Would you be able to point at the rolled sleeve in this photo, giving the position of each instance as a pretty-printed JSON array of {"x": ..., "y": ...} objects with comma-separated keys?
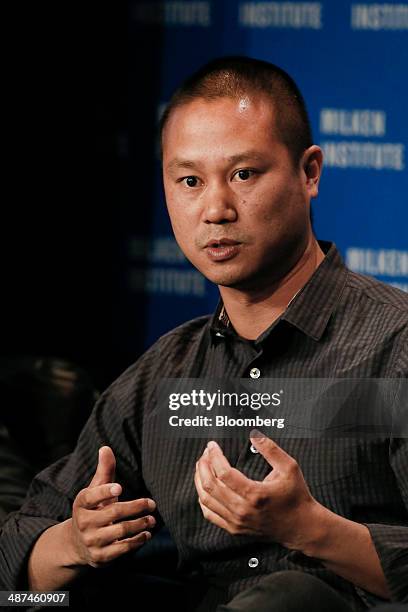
[
  {"x": 52, "y": 492},
  {"x": 45, "y": 505},
  {"x": 391, "y": 541},
  {"x": 18, "y": 537}
]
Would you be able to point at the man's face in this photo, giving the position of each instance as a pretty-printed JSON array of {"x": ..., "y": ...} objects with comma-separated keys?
[{"x": 238, "y": 207}]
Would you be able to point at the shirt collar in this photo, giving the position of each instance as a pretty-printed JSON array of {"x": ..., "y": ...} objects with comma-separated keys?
[{"x": 312, "y": 306}]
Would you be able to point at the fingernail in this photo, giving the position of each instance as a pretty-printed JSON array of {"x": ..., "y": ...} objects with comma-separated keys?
[
  {"x": 211, "y": 445},
  {"x": 147, "y": 535},
  {"x": 151, "y": 504},
  {"x": 255, "y": 433},
  {"x": 115, "y": 489}
]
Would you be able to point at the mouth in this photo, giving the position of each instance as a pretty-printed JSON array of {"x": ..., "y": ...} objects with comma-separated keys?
[
  {"x": 222, "y": 249},
  {"x": 221, "y": 242}
]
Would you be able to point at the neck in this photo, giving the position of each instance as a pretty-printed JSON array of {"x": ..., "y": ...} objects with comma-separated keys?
[{"x": 251, "y": 313}]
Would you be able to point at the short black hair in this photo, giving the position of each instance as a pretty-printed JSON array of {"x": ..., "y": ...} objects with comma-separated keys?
[{"x": 236, "y": 76}]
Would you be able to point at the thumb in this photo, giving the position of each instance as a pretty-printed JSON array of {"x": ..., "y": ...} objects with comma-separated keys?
[
  {"x": 105, "y": 471},
  {"x": 272, "y": 452}
]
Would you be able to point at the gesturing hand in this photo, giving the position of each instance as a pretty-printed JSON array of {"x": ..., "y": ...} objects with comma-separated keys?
[
  {"x": 99, "y": 532},
  {"x": 278, "y": 507}
]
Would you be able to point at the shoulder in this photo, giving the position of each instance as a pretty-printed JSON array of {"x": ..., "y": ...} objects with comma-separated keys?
[
  {"x": 377, "y": 316},
  {"x": 383, "y": 308},
  {"x": 377, "y": 293},
  {"x": 188, "y": 331}
]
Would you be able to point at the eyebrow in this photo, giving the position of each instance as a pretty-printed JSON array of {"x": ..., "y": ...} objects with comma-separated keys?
[{"x": 176, "y": 163}]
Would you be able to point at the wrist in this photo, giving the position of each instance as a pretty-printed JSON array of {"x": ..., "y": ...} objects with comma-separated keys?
[
  {"x": 320, "y": 532},
  {"x": 71, "y": 556},
  {"x": 311, "y": 529}
]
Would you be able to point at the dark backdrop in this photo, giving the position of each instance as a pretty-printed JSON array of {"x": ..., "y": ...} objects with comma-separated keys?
[{"x": 64, "y": 188}]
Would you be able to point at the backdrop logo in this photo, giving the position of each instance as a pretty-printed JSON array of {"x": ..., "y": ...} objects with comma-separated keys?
[
  {"x": 153, "y": 269},
  {"x": 380, "y": 262},
  {"x": 294, "y": 15},
  {"x": 359, "y": 154},
  {"x": 379, "y": 16},
  {"x": 370, "y": 155},
  {"x": 352, "y": 123},
  {"x": 173, "y": 13}
]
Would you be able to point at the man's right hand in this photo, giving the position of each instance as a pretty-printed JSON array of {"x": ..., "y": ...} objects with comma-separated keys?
[{"x": 101, "y": 526}]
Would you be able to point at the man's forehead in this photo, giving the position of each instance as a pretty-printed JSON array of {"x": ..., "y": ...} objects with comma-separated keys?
[
  {"x": 243, "y": 156},
  {"x": 241, "y": 127},
  {"x": 240, "y": 106}
]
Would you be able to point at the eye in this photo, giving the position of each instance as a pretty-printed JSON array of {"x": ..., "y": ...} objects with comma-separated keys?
[
  {"x": 190, "y": 181},
  {"x": 243, "y": 175}
]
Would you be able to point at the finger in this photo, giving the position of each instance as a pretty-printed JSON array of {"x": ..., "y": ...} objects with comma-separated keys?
[
  {"x": 232, "y": 528},
  {"x": 92, "y": 496},
  {"x": 274, "y": 454},
  {"x": 209, "y": 501},
  {"x": 118, "y": 531},
  {"x": 121, "y": 547},
  {"x": 231, "y": 477},
  {"x": 205, "y": 454},
  {"x": 219, "y": 462},
  {"x": 213, "y": 489},
  {"x": 105, "y": 470},
  {"x": 213, "y": 517},
  {"x": 121, "y": 510}
]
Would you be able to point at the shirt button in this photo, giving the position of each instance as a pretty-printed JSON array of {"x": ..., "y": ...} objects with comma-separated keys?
[
  {"x": 255, "y": 373},
  {"x": 253, "y": 449},
  {"x": 253, "y": 562}
]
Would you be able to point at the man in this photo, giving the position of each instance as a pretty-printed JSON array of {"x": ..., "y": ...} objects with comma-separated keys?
[{"x": 266, "y": 525}]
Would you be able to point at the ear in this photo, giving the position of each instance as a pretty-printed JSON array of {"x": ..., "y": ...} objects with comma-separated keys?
[{"x": 312, "y": 164}]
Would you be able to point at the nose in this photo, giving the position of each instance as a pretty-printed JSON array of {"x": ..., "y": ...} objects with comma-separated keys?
[{"x": 219, "y": 205}]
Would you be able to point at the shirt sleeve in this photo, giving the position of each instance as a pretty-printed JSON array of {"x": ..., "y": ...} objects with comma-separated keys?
[
  {"x": 52, "y": 492},
  {"x": 15, "y": 475},
  {"x": 391, "y": 541}
]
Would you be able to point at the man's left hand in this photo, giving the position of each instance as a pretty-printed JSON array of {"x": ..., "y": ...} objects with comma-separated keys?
[{"x": 280, "y": 507}]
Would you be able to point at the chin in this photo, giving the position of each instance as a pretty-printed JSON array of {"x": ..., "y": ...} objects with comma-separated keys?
[
  {"x": 226, "y": 280},
  {"x": 227, "y": 274}
]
